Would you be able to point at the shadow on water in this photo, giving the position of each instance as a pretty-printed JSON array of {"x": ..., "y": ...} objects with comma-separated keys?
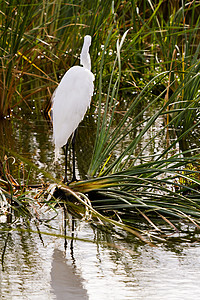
[{"x": 66, "y": 284}]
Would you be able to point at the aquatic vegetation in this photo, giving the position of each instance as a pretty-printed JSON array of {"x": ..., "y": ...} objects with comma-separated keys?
[{"x": 146, "y": 66}]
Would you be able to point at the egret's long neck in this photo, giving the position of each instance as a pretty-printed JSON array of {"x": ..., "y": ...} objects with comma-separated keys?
[{"x": 85, "y": 56}]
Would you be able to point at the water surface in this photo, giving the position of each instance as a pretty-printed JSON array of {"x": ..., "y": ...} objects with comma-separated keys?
[
  {"x": 105, "y": 268},
  {"x": 108, "y": 266}
]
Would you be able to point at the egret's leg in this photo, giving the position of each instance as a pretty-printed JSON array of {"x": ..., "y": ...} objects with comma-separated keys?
[
  {"x": 66, "y": 151},
  {"x": 73, "y": 150}
]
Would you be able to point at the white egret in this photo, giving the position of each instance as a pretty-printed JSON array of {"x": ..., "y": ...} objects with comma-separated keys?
[{"x": 71, "y": 100}]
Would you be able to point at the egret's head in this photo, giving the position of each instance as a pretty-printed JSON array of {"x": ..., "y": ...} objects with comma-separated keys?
[
  {"x": 87, "y": 40},
  {"x": 85, "y": 56}
]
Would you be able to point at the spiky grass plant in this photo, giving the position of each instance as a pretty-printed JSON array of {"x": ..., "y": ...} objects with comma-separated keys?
[{"x": 118, "y": 179}]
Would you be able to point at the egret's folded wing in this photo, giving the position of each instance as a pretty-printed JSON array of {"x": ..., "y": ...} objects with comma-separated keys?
[{"x": 70, "y": 103}]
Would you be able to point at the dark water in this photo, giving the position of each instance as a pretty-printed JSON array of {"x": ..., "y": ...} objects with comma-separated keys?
[{"x": 106, "y": 266}]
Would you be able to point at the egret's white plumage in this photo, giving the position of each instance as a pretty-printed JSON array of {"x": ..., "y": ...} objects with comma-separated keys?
[{"x": 72, "y": 98}]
